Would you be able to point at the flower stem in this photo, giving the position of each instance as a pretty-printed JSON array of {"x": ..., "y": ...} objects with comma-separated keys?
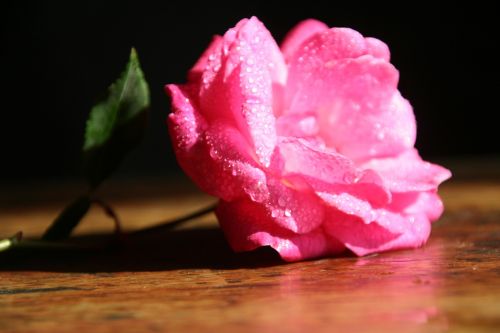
[
  {"x": 110, "y": 212},
  {"x": 15, "y": 240},
  {"x": 170, "y": 224},
  {"x": 7, "y": 243}
]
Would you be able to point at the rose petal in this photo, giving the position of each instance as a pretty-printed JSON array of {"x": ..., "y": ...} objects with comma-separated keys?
[
  {"x": 413, "y": 230},
  {"x": 299, "y": 34},
  {"x": 408, "y": 172},
  {"x": 302, "y": 158},
  {"x": 354, "y": 92},
  {"x": 293, "y": 204},
  {"x": 357, "y": 236},
  {"x": 358, "y": 98},
  {"x": 328, "y": 171},
  {"x": 298, "y": 125},
  {"x": 235, "y": 171},
  {"x": 248, "y": 225},
  {"x": 405, "y": 223},
  {"x": 196, "y": 71},
  {"x": 185, "y": 124},
  {"x": 430, "y": 204},
  {"x": 377, "y": 48},
  {"x": 382, "y": 128},
  {"x": 237, "y": 84},
  {"x": 390, "y": 232},
  {"x": 351, "y": 205},
  {"x": 218, "y": 159},
  {"x": 412, "y": 203}
]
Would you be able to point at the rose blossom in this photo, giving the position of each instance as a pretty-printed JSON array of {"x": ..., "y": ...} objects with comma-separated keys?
[{"x": 310, "y": 147}]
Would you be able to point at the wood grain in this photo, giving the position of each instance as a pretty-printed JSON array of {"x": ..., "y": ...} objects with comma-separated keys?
[{"x": 188, "y": 280}]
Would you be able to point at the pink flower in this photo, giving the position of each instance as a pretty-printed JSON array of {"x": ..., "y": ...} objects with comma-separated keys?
[{"x": 310, "y": 147}]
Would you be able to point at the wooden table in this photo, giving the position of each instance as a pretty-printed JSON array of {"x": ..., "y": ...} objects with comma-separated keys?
[{"x": 188, "y": 280}]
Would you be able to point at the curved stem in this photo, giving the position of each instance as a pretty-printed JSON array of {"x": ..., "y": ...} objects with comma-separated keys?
[
  {"x": 109, "y": 211},
  {"x": 168, "y": 225},
  {"x": 15, "y": 240}
]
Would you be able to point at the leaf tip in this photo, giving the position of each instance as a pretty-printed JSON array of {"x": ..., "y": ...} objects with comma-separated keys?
[{"x": 133, "y": 55}]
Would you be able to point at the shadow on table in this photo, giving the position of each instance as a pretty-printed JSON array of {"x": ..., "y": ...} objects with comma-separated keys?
[
  {"x": 189, "y": 248},
  {"x": 206, "y": 247}
]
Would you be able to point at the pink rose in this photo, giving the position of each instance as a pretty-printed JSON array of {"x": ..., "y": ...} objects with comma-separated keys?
[{"x": 309, "y": 146}]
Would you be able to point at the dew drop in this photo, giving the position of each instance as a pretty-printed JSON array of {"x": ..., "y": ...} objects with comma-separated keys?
[
  {"x": 356, "y": 106},
  {"x": 214, "y": 153},
  {"x": 288, "y": 212},
  {"x": 348, "y": 178}
]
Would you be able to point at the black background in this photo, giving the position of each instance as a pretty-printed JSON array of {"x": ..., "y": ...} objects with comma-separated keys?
[{"x": 58, "y": 58}]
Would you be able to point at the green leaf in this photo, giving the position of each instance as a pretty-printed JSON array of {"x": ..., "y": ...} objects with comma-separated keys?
[
  {"x": 117, "y": 124},
  {"x": 68, "y": 219}
]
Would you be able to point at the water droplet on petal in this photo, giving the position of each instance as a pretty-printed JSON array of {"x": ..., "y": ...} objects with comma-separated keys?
[
  {"x": 214, "y": 153},
  {"x": 288, "y": 212},
  {"x": 348, "y": 178}
]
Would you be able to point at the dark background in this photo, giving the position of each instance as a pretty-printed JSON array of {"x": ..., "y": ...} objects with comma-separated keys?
[{"x": 59, "y": 57}]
